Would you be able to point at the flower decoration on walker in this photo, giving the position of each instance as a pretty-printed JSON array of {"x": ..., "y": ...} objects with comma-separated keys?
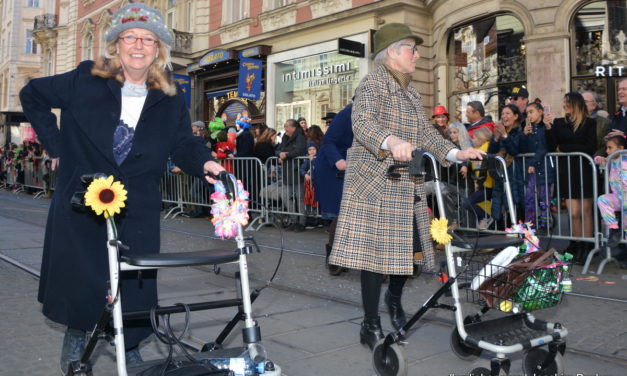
[
  {"x": 439, "y": 231},
  {"x": 531, "y": 241},
  {"x": 229, "y": 212},
  {"x": 105, "y": 196}
]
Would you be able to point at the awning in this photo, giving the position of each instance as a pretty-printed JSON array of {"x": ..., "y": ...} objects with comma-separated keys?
[{"x": 220, "y": 93}]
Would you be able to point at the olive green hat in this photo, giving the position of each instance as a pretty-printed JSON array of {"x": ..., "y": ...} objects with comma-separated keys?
[{"x": 390, "y": 33}]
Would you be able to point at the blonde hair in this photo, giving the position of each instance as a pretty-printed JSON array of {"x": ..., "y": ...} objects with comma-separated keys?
[
  {"x": 578, "y": 107},
  {"x": 159, "y": 76},
  {"x": 483, "y": 133}
]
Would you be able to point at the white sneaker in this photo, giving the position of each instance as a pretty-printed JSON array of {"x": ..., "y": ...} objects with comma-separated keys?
[{"x": 485, "y": 223}]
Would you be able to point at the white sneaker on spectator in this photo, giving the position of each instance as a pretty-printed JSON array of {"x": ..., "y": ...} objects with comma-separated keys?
[{"x": 485, "y": 223}]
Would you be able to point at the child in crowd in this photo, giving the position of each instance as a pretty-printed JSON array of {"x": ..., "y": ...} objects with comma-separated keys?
[
  {"x": 483, "y": 181},
  {"x": 538, "y": 172},
  {"x": 224, "y": 150},
  {"x": 306, "y": 170},
  {"x": 614, "y": 201}
]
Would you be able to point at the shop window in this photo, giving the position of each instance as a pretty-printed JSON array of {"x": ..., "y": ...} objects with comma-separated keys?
[
  {"x": 599, "y": 43},
  {"x": 314, "y": 85},
  {"x": 487, "y": 60},
  {"x": 32, "y": 3}
]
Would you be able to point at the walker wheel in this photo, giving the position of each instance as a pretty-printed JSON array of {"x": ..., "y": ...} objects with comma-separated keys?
[
  {"x": 393, "y": 364},
  {"x": 533, "y": 359},
  {"x": 461, "y": 349},
  {"x": 480, "y": 371}
]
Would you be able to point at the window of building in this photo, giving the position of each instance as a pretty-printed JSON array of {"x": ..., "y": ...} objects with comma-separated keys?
[
  {"x": 32, "y": 3},
  {"x": 235, "y": 10},
  {"x": 598, "y": 48},
  {"x": 171, "y": 14},
  {"x": 487, "y": 59},
  {"x": 274, "y": 4},
  {"x": 188, "y": 16},
  {"x": 102, "y": 43},
  {"x": 31, "y": 45},
  {"x": 88, "y": 47}
]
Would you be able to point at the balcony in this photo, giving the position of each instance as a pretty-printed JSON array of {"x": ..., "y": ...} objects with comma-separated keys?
[
  {"x": 45, "y": 21},
  {"x": 44, "y": 30},
  {"x": 182, "y": 43}
]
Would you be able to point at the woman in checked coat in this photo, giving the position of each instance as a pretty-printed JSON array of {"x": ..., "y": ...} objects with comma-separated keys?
[{"x": 380, "y": 218}]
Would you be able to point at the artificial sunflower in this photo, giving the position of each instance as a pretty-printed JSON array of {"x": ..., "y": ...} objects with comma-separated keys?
[
  {"x": 439, "y": 231},
  {"x": 105, "y": 196}
]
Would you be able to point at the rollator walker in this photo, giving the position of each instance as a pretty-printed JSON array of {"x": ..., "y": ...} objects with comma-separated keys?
[
  {"x": 512, "y": 330},
  {"x": 247, "y": 360}
]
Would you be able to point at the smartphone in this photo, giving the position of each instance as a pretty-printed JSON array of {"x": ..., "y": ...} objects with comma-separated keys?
[{"x": 547, "y": 109}]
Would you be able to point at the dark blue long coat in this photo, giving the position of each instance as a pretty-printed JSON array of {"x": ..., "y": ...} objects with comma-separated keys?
[
  {"x": 74, "y": 269},
  {"x": 327, "y": 179}
]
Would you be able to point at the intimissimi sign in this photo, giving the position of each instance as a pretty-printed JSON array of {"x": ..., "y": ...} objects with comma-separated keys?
[{"x": 316, "y": 73}]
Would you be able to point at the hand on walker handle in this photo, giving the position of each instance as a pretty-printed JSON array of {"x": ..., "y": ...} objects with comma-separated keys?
[
  {"x": 470, "y": 153},
  {"x": 214, "y": 168},
  {"x": 401, "y": 150}
]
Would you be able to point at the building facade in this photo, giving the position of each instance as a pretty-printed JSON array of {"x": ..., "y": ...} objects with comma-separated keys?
[
  {"x": 19, "y": 61},
  {"x": 473, "y": 50}
]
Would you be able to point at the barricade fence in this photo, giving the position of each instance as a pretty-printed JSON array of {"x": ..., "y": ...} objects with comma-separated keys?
[{"x": 559, "y": 197}]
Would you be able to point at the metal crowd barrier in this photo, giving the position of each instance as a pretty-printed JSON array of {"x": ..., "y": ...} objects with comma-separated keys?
[
  {"x": 276, "y": 190},
  {"x": 605, "y": 251},
  {"x": 277, "y": 195},
  {"x": 546, "y": 199}
]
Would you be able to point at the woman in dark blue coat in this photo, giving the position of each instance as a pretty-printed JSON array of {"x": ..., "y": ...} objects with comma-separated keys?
[
  {"x": 506, "y": 142},
  {"x": 328, "y": 171},
  {"x": 121, "y": 116}
]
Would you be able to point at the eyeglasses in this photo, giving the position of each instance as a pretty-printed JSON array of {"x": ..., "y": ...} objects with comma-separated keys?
[
  {"x": 414, "y": 47},
  {"x": 131, "y": 39}
]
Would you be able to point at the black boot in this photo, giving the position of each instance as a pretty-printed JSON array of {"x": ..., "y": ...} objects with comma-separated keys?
[
  {"x": 333, "y": 269},
  {"x": 397, "y": 315},
  {"x": 371, "y": 332}
]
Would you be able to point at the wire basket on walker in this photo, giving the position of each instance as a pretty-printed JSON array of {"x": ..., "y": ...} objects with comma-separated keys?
[{"x": 513, "y": 284}]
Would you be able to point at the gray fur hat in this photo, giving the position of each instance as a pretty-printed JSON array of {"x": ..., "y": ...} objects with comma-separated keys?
[{"x": 138, "y": 15}]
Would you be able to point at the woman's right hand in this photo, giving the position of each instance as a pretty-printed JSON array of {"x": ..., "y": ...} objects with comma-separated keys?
[{"x": 341, "y": 164}]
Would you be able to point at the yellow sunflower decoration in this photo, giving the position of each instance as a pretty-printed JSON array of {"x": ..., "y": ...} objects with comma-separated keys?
[
  {"x": 439, "y": 231},
  {"x": 105, "y": 196}
]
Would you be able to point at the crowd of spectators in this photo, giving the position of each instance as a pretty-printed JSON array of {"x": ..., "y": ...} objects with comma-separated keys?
[
  {"x": 18, "y": 160},
  {"x": 523, "y": 127}
]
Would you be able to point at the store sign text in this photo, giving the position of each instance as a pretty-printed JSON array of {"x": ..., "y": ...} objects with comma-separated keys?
[
  {"x": 330, "y": 80},
  {"x": 609, "y": 70},
  {"x": 317, "y": 72}
]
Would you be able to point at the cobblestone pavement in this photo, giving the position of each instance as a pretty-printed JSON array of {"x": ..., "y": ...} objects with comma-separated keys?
[{"x": 309, "y": 320}]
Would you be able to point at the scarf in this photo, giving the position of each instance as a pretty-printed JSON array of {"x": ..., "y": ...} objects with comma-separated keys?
[
  {"x": 403, "y": 79},
  {"x": 133, "y": 90}
]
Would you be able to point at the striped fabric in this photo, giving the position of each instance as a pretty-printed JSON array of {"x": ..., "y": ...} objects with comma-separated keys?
[{"x": 374, "y": 230}]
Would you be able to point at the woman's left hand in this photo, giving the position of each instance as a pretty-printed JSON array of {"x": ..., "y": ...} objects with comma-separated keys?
[
  {"x": 214, "y": 168},
  {"x": 468, "y": 154}
]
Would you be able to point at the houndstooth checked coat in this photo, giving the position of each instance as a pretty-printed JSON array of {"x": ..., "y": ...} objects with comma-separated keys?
[{"x": 374, "y": 230}]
